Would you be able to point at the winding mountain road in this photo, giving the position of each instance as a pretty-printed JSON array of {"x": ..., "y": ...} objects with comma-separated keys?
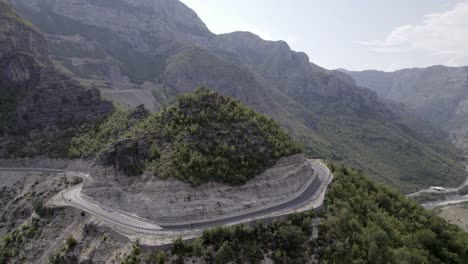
[
  {"x": 445, "y": 190},
  {"x": 312, "y": 193},
  {"x": 454, "y": 198}
]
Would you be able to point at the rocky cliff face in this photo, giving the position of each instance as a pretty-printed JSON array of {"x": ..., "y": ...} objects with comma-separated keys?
[
  {"x": 123, "y": 42},
  {"x": 37, "y": 101},
  {"x": 292, "y": 73}
]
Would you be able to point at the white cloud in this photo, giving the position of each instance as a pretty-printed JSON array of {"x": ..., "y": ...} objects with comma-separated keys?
[{"x": 441, "y": 36}]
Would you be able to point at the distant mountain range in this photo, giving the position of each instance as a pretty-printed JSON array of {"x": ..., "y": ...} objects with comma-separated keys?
[
  {"x": 148, "y": 51},
  {"x": 438, "y": 94}
]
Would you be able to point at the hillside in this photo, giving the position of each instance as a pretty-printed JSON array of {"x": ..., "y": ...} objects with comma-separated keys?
[
  {"x": 203, "y": 137},
  {"x": 40, "y": 107},
  {"x": 161, "y": 48},
  {"x": 438, "y": 94}
]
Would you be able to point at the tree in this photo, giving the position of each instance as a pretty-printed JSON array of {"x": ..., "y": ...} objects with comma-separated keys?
[
  {"x": 161, "y": 257},
  {"x": 291, "y": 240},
  {"x": 225, "y": 254},
  {"x": 154, "y": 152},
  {"x": 178, "y": 247},
  {"x": 38, "y": 205}
]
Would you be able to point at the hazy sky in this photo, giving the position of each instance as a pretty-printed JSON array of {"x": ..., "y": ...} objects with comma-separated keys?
[{"x": 352, "y": 34}]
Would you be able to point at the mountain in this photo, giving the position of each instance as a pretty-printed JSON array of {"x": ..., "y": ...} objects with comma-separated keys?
[
  {"x": 39, "y": 105},
  {"x": 146, "y": 52},
  {"x": 438, "y": 94}
]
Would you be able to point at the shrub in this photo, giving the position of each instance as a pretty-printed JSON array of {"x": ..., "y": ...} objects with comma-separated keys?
[
  {"x": 38, "y": 206},
  {"x": 161, "y": 257},
  {"x": 71, "y": 242}
]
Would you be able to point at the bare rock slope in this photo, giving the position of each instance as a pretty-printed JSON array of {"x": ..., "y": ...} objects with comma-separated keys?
[{"x": 172, "y": 200}]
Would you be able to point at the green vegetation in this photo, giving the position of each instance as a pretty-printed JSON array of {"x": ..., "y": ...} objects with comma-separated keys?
[
  {"x": 288, "y": 241},
  {"x": 362, "y": 222},
  {"x": 71, "y": 242},
  {"x": 91, "y": 140},
  {"x": 392, "y": 154},
  {"x": 60, "y": 255},
  {"x": 367, "y": 223},
  {"x": 202, "y": 137},
  {"x": 13, "y": 242},
  {"x": 134, "y": 256},
  {"x": 38, "y": 205}
]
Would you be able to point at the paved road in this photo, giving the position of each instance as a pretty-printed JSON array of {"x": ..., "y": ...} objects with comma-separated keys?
[
  {"x": 74, "y": 173},
  {"x": 433, "y": 205},
  {"x": 73, "y": 197},
  {"x": 446, "y": 190},
  {"x": 306, "y": 197}
]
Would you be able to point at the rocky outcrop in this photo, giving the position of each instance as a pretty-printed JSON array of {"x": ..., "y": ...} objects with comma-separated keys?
[
  {"x": 37, "y": 101},
  {"x": 171, "y": 200}
]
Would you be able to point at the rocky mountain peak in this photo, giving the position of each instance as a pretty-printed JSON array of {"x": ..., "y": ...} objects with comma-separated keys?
[{"x": 157, "y": 17}]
